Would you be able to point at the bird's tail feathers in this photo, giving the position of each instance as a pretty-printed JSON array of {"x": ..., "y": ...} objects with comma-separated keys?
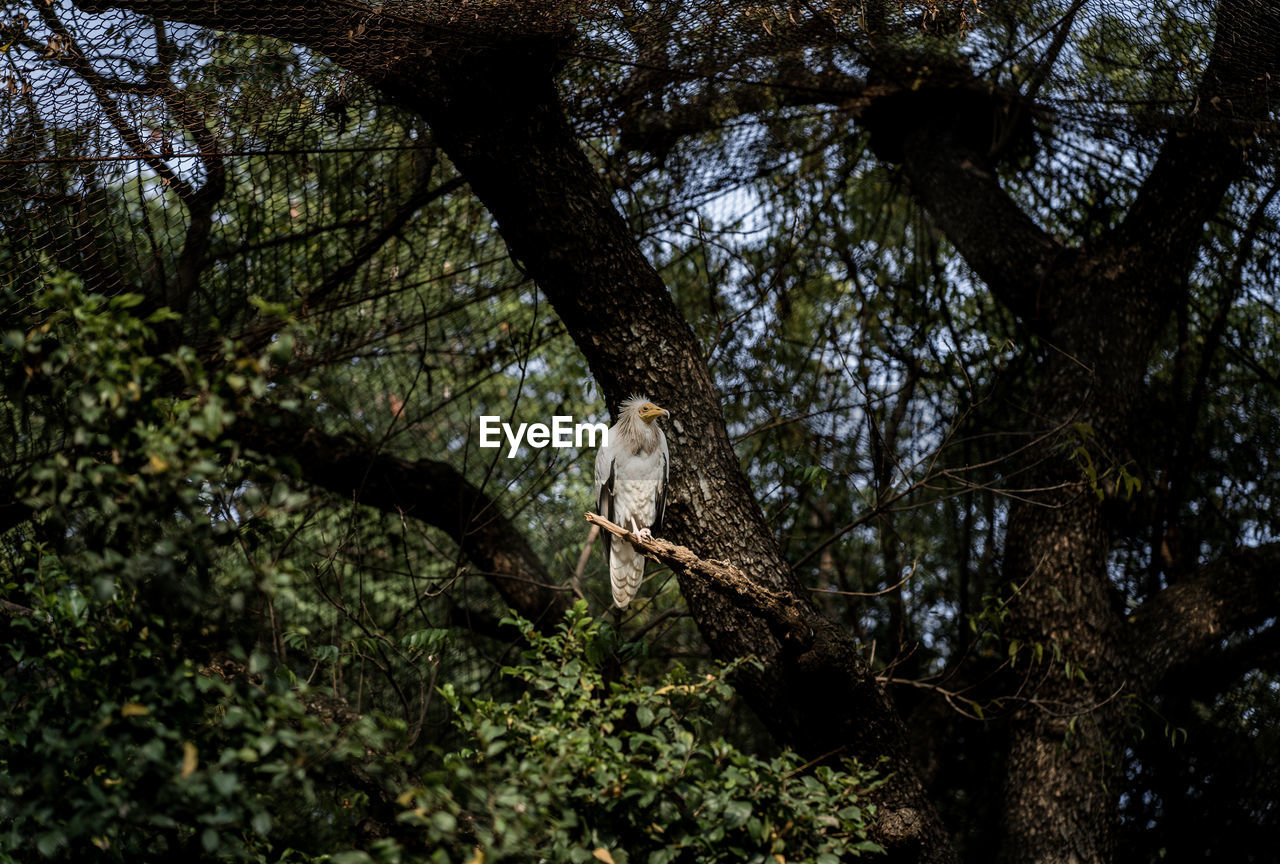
[{"x": 625, "y": 574}]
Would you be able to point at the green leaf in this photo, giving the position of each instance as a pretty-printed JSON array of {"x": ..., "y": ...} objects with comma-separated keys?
[
  {"x": 224, "y": 783},
  {"x": 262, "y": 822},
  {"x": 352, "y": 856},
  {"x": 736, "y": 813},
  {"x": 48, "y": 844}
]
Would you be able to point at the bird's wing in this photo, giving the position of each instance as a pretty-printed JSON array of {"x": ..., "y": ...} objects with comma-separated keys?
[
  {"x": 660, "y": 495},
  {"x": 605, "y": 472}
]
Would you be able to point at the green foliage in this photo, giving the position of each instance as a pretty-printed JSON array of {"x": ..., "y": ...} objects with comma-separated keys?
[
  {"x": 583, "y": 768},
  {"x": 136, "y": 723},
  {"x": 110, "y": 743},
  {"x": 142, "y": 721},
  {"x": 1106, "y": 476}
]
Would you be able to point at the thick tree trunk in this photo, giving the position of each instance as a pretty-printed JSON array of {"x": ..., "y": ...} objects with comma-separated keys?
[
  {"x": 1096, "y": 311},
  {"x": 1063, "y": 760},
  {"x": 813, "y": 690},
  {"x": 1066, "y": 731}
]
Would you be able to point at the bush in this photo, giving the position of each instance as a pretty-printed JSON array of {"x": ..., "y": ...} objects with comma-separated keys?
[
  {"x": 143, "y": 719},
  {"x": 136, "y": 723},
  {"x": 580, "y": 770}
]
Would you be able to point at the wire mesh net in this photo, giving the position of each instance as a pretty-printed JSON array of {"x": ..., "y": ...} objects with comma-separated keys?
[
  {"x": 220, "y": 171},
  {"x": 134, "y": 148}
]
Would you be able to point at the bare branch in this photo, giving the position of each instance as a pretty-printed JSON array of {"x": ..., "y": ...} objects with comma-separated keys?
[{"x": 783, "y": 609}]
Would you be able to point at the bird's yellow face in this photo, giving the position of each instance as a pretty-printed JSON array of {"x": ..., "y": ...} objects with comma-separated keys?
[{"x": 650, "y": 412}]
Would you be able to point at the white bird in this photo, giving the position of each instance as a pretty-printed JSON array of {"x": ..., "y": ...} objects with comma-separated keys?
[{"x": 631, "y": 489}]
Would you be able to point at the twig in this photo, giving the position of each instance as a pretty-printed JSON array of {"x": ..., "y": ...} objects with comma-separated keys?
[
  {"x": 15, "y": 610},
  {"x": 583, "y": 558},
  {"x": 894, "y": 587}
]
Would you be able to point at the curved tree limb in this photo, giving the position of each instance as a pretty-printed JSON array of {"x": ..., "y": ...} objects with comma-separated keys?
[
  {"x": 429, "y": 491},
  {"x": 954, "y": 179},
  {"x": 1196, "y": 618},
  {"x": 786, "y": 613}
]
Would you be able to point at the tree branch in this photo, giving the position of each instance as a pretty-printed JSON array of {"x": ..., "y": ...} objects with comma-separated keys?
[
  {"x": 655, "y": 129},
  {"x": 943, "y": 135},
  {"x": 374, "y": 41},
  {"x": 430, "y": 491},
  {"x": 789, "y": 617},
  {"x": 1187, "y": 621},
  {"x": 1197, "y": 166},
  {"x": 15, "y": 610}
]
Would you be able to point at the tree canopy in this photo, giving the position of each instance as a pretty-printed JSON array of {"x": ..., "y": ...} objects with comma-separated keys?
[{"x": 965, "y": 318}]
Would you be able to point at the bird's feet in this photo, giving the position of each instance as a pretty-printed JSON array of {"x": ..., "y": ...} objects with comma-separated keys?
[{"x": 643, "y": 534}]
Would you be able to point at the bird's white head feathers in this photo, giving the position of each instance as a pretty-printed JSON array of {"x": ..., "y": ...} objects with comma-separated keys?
[{"x": 639, "y": 408}]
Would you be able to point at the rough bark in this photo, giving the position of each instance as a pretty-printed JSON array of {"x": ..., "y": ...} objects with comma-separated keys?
[{"x": 1097, "y": 310}]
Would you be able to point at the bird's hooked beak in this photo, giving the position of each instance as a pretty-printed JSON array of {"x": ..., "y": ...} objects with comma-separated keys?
[{"x": 650, "y": 412}]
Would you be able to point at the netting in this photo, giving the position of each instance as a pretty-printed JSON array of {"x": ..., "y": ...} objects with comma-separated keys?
[
  {"x": 143, "y": 152},
  {"x": 227, "y": 172},
  {"x": 178, "y": 130}
]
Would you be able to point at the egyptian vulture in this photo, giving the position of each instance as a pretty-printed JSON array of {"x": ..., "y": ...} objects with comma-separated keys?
[{"x": 631, "y": 489}]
